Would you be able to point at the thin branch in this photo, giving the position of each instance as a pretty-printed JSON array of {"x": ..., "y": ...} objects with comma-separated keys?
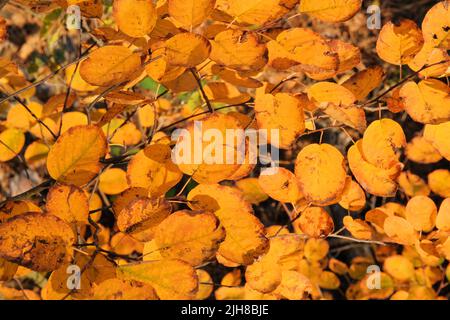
[
  {"x": 47, "y": 77},
  {"x": 69, "y": 87},
  {"x": 202, "y": 113},
  {"x": 29, "y": 193},
  {"x": 289, "y": 78},
  {"x": 36, "y": 118},
  {"x": 398, "y": 84},
  {"x": 200, "y": 86},
  {"x": 356, "y": 240}
]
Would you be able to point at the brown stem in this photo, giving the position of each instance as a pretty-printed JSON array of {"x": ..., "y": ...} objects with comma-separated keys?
[
  {"x": 36, "y": 118},
  {"x": 199, "y": 83},
  {"x": 27, "y": 194}
]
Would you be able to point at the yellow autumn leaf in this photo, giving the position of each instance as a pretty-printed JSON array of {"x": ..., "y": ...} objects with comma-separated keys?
[
  {"x": 96, "y": 271},
  {"x": 238, "y": 50},
  {"x": 11, "y": 143},
  {"x": 364, "y": 82},
  {"x": 68, "y": 203},
  {"x": 324, "y": 93},
  {"x": 117, "y": 289},
  {"x": 400, "y": 230},
  {"x": 280, "y": 184},
  {"x": 265, "y": 275},
  {"x": 153, "y": 169},
  {"x": 14, "y": 208},
  {"x": 122, "y": 243},
  {"x": 349, "y": 56},
  {"x": 316, "y": 222},
  {"x": 38, "y": 241},
  {"x": 439, "y": 182},
  {"x": 109, "y": 65},
  {"x": 233, "y": 77},
  {"x": 426, "y": 102},
  {"x": 223, "y": 92},
  {"x": 316, "y": 249},
  {"x": 304, "y": 47},
  {"x": 281, "y": 112},
  {"x": 437, "y": 136},
  {"x": 256, "y": 12},
  {"x": 431, "y": 62},
  {"x": 358, "y": 228},
  {"x": 205, "y": 285},
  {"x": 412, "y": 184},
  {"x": 329, "y": 281},
  {"x": 443, "y": 216},
  {"x": 141, "y": 217},
  {"x": 252, "y": 190},
  {"x": 172, "y": 279},
  {"x": 381, "y": 143},
  {"x": 399, "y": 267},
  {"x": 77, "y": 163},
  {"x": 321, "y": 172},
  {"x": 245, "y": 239},
  {"x": 398, "y": 43},
  {"x": 72, "y": 119},
  {"x": 331, "y": 10},
  {"x": 72, "y": 76},
  {"x": 232, "y": 278},
  {"x": 191, "y": 236},
  {"x": 135, "y": 18},
  {"x": 375, "y": 180},
  {"x": 435, "y": 25},
  {"x": 420, "y": 150},
  {"x": 187, "y": 49},
  {"x": 19, "y": 117},
  {"x": 353, "y": 197},
  {"x": 294, "y": 285},
  {"x": 190, "y": 13},
  {"x": 128, "y": 196},
  {"x": 421, "y": 213},
  {"x": 113, "y": 181},
  {"x": 218, "y": 157}
]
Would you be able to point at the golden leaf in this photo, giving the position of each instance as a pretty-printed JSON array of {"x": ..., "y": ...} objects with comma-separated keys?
[
  {"x": 320, "y": 170},
  {"x": 245, "y": 239},
  {"x": 172, "y": 279},
  {"x": 109, "y": 65},
  {"x": 77, "y": 163},
  {"x": 193, "y": 237},
  {"x": 135, "y": 18},
  {"x": 41, "y": 242}
]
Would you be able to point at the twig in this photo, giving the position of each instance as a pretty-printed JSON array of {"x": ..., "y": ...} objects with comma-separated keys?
[
  {"x": 27, "y": 194},
  {"x": 398, "y": 84},
  {"x": 47, "y": 77},
  {"x": 36, "y": 118},
  {"x": 356, "y": 240},
  {"x": 200, "y": 86}
]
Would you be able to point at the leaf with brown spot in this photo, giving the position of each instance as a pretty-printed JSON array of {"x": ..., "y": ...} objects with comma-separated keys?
[{"x": 38, "y": 241}]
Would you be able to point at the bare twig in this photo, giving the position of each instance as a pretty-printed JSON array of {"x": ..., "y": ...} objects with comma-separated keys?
[
  {"x": 200, "y": 86},
  {"x": 29, "y": 193},
  {"x": 36, "y": 118},
  {"x": 47, "y": 77}
]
